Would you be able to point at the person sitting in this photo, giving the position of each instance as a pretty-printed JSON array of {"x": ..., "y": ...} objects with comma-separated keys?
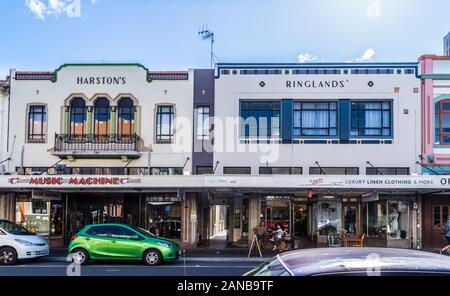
[{"x": 278, "y": 238}]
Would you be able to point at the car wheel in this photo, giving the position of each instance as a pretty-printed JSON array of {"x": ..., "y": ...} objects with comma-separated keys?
[
  {"x": 80, "y": 256},
  {"x": 152, "y": 257},
  {"x": 8, "y": 256}
]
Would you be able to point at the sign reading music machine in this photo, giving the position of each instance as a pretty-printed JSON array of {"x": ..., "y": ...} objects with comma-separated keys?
[{"x": 274, "y": 181}]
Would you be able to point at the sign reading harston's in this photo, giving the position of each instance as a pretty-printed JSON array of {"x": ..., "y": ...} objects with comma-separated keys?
[{"x": 245, "y": 181}]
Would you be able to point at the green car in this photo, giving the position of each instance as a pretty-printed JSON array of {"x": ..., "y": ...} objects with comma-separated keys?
[{"x": 121, "y": 242}]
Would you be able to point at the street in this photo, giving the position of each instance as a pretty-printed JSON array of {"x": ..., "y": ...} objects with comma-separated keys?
[{"x": 47, "y": 267}]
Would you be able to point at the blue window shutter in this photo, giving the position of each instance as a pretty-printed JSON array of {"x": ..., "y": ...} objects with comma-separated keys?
[
  {"x": 344, "y": 121},
  {"x": 287, "y": 117}
]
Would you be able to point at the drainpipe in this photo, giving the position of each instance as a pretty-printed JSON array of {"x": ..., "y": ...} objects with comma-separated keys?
[
  {"x": 149, "y": 161},
  {"x": 22, "y": 155}
]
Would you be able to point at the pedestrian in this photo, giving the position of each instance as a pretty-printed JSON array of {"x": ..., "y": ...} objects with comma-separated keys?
[{"x": 447, "y": 236}]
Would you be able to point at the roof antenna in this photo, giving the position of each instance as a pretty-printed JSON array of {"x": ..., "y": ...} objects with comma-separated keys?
[{"x": 206, "y": 34}]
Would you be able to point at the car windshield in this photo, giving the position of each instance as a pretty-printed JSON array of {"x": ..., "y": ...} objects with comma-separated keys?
[
  {"x": 270, "y": 268},
  {"x": 143, "y": 231},
  {"x": 13, "y": 228}
]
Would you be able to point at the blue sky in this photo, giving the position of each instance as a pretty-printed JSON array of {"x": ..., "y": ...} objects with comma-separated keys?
[{"x": 162, "y": 34}]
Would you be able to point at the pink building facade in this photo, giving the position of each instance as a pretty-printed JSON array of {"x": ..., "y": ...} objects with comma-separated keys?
[
  {"x": 435, "y": 74},
  {"x": 435, "y": 157}
]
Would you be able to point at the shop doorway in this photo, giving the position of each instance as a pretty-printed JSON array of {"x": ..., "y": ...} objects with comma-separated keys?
[
  {"x": 350, "y": 218},
  {"x": 100, "y": 208},
  {"x": 218, "y": 227},
  {"x": 440, "y": 215},
  {"x": 302, "y": 226},
  {"x": 162, "y": 215}
]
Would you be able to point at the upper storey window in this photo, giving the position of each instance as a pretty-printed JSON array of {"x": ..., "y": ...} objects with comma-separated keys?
[
  {"x": 203, "y": 122},
  {"x": 315, "y": 119},
  {"x": 164, "y": 124},
  {"x": 261, "y": 119},
  {"x": 102, "y": 117},
  {"x": 125, "y": 117},
  {"x": 371, "y": 119},
  {"x": 442, "y": 122},
  {"x": 37, "y": 124},
  {"x": 78, "y": 117}
]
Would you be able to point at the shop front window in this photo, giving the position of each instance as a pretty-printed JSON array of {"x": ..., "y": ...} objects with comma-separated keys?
[
  {"x": 328, "y": 217},
  {"x": 163, "y": 216},
  {"x": 33, "y": 215},
  {"x": 376, "y": 216},
  {"x": 276, "y": 211},
  {"x": 398, "y": 220}
]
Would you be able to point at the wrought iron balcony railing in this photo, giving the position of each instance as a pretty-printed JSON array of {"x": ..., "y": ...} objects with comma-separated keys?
[{"x": 95, "y": 143}]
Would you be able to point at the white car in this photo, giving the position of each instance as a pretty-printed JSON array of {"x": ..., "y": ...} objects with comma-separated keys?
[{"x": 17, "y": 243}]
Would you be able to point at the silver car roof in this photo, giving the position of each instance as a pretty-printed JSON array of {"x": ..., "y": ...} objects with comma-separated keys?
[{"x": 339, "y": 260}]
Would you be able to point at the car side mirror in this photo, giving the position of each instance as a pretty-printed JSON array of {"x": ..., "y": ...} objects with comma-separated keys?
[{"x": 136, "y": 237}]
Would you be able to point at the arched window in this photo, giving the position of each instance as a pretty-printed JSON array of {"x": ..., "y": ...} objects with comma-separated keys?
[
  {"x": 77, "y": 117},
  {"x": 125, "y": 116},
  {"x": 102, "y": 117},
  {"x": 442, "y": 122}
]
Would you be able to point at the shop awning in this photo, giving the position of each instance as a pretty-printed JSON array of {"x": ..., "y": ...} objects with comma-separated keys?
[{"x": 235, "y": 182}]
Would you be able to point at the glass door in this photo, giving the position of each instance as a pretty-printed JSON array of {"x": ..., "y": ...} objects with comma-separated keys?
[
  {"x": 350, "y": 219},
  {"x": 440, "y": 214},
  {"x": 300, "y": 221}
]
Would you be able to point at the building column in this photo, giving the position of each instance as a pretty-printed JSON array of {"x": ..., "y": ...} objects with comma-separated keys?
[
  {"x": 89, "y": 122},
  {"x": 136, "y": 121},
  {"x": 67, "y": 120},
  {"x": 189, "y": 220},
  {"x": 114, "y": 128},
  {"x": 254, "y": 213},
  {"x": 7, "y": 206}
]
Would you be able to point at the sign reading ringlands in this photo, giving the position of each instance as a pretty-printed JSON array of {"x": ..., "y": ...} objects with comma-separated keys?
[{"x": 274, "y": 181}]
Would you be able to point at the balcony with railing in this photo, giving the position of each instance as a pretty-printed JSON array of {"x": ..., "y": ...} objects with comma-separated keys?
[{"x": 93, "y": 146}]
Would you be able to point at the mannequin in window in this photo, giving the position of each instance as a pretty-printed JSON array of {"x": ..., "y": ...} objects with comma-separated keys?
[{"x": 393, "y": 222}]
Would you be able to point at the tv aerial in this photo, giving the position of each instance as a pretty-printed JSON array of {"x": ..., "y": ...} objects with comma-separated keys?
[{"x": 206, "y": 34}]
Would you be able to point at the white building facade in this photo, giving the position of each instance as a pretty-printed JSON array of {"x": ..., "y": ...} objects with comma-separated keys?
[
  {"x": 105, "y": 119},
  {"x": 316, "y": 120},
  {"x": 320, "y": 149}
]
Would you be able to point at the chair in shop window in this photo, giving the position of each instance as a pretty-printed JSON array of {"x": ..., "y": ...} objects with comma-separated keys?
[
  {"x": 333, "y": 241},
  {"x": 360, "y": 242}
]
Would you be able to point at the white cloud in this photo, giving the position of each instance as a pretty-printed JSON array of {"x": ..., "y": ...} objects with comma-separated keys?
[
  {"x": 306, "y": 58},
  {"x": 37, "y": 7},
  {"x": 367, "y": 55},
  {"x": 374, "y": 9},
  {"x": 43, "y": 8}
]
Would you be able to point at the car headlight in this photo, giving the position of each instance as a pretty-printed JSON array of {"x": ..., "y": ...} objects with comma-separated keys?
[
  {"x": 24, "y": 243},
  {"x": 165, "y": 245}
]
